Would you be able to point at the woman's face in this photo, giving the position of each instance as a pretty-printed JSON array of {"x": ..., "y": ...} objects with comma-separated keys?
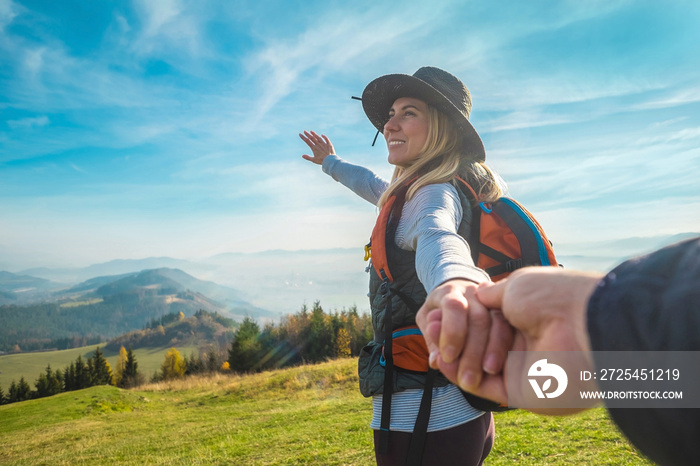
[{"x": 406, "y": 131}]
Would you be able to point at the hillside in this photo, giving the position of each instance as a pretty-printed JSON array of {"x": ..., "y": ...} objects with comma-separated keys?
[
  {"x": 105, "y": 307},
  {"x": 31, "y": 365},
  {"x": 302, "y": 415},
  {"x": 18, "y": 289},
  {"x": 203, "y": 328}
]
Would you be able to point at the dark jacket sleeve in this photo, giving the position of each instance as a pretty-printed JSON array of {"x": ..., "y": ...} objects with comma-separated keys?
[{"x": 652, "y": 303}]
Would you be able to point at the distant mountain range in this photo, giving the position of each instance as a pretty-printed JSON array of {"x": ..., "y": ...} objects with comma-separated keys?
[
  {"x": 25, "y": 290},
  {"x": 37, "y": 313},
  {"x": 277, "y": 282},
  {"x": 280, "y": 282}
]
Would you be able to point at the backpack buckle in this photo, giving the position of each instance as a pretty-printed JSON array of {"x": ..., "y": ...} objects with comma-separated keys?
[{"x": 513, "y": 265}]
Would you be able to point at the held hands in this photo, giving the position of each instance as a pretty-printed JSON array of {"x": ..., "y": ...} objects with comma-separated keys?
[
  {"x": 542, "y": 309},
  {"x": 320, "y": 146},
  {"x": 465, "y": 339}
]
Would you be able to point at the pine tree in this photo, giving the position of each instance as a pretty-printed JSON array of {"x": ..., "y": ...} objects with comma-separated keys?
[
  {"x": 131, "y": 376},
  {"x": 101, "y": 372},
  {"x": 69, "y": 380},
  {"x": 212, "y": 361},
  {"x": 19, "y": 391},
  {"x": 49, "y": 383},
  {"x": 245, "y": 348},
  {"x": 320, "y": 341},
  {"x": 55, "y": 379},
  {"x": 25, "y": 391},
  {"x": 3, "y": 398},
  {"x": 12, "y": 394},
  {"x": 82, "y": 374}
]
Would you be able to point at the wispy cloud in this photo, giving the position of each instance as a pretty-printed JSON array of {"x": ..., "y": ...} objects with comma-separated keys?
[
  {"x": 180, "y": 119},
  {"x": 672, "y": 98},
  {"x": 171, "y": 28},
  {"x": 333, "y": 43},
  {"x": 8, "y": 11},
  {"x": 78, "y": 169}
]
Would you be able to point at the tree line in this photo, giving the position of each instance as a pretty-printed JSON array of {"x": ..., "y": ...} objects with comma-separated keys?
[
  {"x": 78, "y": 375},
  {"x": 309, "y": 336}
]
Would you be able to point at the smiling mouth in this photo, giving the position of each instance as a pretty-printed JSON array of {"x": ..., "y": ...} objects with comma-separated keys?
[{"x": 395, "y": 143}]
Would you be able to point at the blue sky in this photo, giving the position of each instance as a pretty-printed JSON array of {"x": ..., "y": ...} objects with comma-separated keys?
[{"x": 145, "y": 128}]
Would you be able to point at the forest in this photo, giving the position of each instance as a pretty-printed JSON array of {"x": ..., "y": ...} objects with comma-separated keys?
[{"x": 309, "y": 336}]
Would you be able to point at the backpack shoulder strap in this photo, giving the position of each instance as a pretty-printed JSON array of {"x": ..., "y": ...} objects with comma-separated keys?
[{"x": 384, "y": 230}]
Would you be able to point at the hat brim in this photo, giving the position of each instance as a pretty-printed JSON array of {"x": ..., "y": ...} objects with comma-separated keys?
[{"x": 381, "y": 93}]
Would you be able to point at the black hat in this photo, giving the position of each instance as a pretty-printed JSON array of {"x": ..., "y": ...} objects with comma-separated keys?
[{"x": 434, "y": 86}]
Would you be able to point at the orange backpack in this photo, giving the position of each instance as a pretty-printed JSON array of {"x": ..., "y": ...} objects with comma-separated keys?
[{"x": 505, "y": 236}]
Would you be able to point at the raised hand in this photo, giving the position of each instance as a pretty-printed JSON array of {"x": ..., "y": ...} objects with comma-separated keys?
[{"x": 320, "y": 146}]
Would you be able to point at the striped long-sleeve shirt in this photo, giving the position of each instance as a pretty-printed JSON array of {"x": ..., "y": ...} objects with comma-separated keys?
[{"x": 428, "y": 226}]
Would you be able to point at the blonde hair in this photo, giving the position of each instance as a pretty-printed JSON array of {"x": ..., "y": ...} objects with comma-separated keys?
[{"x": 441, "y": 161}]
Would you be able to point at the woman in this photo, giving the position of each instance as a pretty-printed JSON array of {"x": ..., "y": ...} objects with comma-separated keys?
[{"x": 424, "y": 119}]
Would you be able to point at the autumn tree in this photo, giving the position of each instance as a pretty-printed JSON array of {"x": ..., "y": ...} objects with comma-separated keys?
[
  {"x": 342, "y": 344},
  {"x": 173, "y": 366},
  {"x": 120, "y": 367}
]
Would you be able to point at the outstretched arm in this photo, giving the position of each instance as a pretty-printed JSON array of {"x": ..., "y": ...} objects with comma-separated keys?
[{"x": 360, "y": 180}]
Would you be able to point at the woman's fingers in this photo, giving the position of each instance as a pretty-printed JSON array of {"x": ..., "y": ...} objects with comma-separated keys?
[
  {"x": 500, "y": 341},
  {"x": 319, "y": 144},
  {"x": 474, "y": 348}
]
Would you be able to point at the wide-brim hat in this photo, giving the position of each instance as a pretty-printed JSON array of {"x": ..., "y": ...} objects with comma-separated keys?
[{"x": 437, "y": 88}]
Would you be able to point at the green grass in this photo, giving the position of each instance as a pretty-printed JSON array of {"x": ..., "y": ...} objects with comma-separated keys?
[
  {"x": 30, "y": 365},
  {"x": 304, "y": 415}
]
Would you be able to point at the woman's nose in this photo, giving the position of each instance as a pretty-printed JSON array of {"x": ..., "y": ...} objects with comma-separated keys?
[{"x": 390, "y": 125}]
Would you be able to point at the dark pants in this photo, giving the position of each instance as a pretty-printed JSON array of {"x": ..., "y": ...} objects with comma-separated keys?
[{"x": 468, "y": 445}]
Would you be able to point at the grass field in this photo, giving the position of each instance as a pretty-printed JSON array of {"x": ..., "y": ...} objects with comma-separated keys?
[
  {"x": 303, "y": 415},
  {"x": 30, "y": 365}
]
